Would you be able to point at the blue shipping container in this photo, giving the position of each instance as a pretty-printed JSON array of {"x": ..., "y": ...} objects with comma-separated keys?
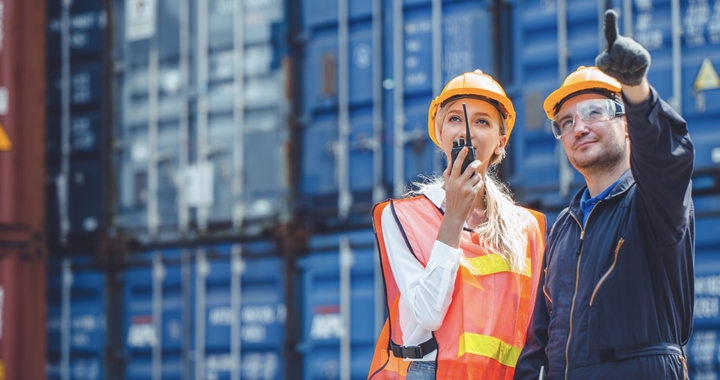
[
  {"x": 194, "y": 293},
  {"x": 364, "y": 130},
  {"x": 340, "y": 273},
  {"x": 200, "y": 146},
  {"x": 690, "y": 84},
  {"x": 88, "y": 20},
  {"x": 539, "y": 172},
  {"x": 76, "y": 291},
  {"x": 430, "y": 45}
]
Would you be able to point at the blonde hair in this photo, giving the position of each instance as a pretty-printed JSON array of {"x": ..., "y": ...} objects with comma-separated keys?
[{"x": 503, "y": 230}]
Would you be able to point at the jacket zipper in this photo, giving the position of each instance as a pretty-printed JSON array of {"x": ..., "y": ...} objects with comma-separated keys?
[
  {"x": 577, "y": 280},
  {"x": 612, "y": 267}
]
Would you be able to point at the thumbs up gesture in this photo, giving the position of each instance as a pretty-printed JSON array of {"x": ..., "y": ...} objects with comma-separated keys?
[{"x": 624, "y": 59}]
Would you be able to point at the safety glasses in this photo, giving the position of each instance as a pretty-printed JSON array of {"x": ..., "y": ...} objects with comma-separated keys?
[{"x": 589, "y": 111}]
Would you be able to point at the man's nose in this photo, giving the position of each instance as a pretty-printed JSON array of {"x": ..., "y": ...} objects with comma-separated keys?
[{"x": 579, "y": 127}]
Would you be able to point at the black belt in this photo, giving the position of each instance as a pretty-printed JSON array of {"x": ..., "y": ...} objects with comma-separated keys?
[
  {"x": 644, "y": 350},
  {"x": 414, "y": 352}
]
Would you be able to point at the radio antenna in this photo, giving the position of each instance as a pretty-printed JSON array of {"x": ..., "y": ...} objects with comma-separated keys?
[{"x": 467, "y": 127}]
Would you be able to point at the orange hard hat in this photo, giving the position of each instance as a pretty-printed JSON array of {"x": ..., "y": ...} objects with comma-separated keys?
[
  {"x": 474, "y": 84},
  {"x": 584, "y": 79}
]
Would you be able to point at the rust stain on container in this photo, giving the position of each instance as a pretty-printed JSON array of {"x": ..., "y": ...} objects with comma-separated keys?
[{"x": 22, "y": 114}]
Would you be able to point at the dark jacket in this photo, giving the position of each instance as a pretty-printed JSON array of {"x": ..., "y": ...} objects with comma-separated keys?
[{"x": 619, "y": 295}]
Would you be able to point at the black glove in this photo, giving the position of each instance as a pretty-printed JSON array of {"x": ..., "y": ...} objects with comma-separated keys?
[{"x": 625, "y": 59}]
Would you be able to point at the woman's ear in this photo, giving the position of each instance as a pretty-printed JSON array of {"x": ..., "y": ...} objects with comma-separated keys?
[{"x": 501, "y": 144}]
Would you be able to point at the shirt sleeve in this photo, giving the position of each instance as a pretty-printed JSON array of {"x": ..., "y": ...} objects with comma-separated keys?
[
  {"x": 426, "y": 291},
  {"x": 661, "y": 160}
]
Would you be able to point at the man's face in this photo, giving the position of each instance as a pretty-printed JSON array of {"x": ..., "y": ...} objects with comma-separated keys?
[{"x": 592, "y": 146}]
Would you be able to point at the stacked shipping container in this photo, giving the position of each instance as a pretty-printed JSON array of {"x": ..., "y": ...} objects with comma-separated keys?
[
  {"x": 202, "y": 156},
  {"x": 22, "y": 230}
]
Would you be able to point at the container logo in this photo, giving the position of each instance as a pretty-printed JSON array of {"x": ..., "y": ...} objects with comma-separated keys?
[
  {"x": 327, "y": 323},
  {"x": 141, "y": 332},
  {"x": 255, "y": 320}
]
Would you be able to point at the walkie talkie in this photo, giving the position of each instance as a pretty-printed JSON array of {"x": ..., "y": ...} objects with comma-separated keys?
[{"x": 458, "y": 145}]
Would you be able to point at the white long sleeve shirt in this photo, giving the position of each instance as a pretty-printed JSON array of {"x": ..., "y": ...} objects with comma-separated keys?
[{"x": 425, "y": 292}]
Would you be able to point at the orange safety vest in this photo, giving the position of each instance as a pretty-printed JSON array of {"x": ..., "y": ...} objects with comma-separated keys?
[{"x": 485, "y": 326}]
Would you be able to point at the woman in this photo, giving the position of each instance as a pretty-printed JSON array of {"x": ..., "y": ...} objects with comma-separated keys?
[{"x": 460, "y": 260}]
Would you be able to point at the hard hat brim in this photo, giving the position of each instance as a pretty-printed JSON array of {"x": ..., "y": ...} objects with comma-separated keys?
[{"x": 459, "y": 92}]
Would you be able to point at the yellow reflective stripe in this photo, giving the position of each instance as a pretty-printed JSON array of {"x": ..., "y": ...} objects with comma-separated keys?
[
  {"x": 489, "y": 346},
  {"x": 491, "y": 264}
]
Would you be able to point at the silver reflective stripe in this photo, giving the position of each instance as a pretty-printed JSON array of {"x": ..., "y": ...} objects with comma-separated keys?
[
  {"x": 346, "y": 263},
  {"x": 65, "y": 315},
  {"x": 237, "y": 269},
  {"x": 158, "y": 275},
  {"x": 343, "y": 151},
  {"x": 201, "y": 272},
  {"x": 62, "y": 182},
  {"x": 239, "y": 114}
]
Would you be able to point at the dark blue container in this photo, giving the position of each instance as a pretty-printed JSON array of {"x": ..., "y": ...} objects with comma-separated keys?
[
  {"x": 194, "y": 299},
  {"x": 536, "y": 159},
  {"x": 707, "y": 287},
  {"x": 466, "y": 44},
  {"x": 86, "y": 87},
  {"x": 322, "y": 148},
  {"x": 540, "y": 172},
  {"x": 262, "y": 312},
  {"x": 323, "y": 333},
  {"x": 691, "y": 87},
  {"x": 160, "y": 272},
  {"x": 84, "y": 197},
  {"x": 702, "y": 353},
  {"x": 88, "y": 20},
  {"x": 78, "y": 289}
]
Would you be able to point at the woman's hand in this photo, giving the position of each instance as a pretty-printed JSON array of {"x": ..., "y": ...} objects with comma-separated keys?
[{"x": 461, "y": 189}]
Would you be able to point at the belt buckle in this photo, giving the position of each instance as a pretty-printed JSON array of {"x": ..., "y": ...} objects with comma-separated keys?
[{"x": 412, "y": 352}]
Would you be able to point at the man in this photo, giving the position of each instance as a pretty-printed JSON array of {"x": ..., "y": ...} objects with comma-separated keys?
[{"x": 618, "y": 270}]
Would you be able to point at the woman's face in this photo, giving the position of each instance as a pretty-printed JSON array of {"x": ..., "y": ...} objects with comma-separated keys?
[{"x": 485, "y": 122}]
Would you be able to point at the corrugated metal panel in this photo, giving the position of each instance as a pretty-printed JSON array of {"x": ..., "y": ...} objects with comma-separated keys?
[
  {"x": 432, "y": 42},
  {"x": 350, "y": 155},
  {"x": 76, "y": 322},
  {"x": 195, "y": 295},
  {"x": 22, "y": 117},
  {"x": 339, "y": 305},
  {"x": 156, "y": 300},
  {"x": 549, "y": 39},
  {"x": 225, "y": 170},
  {"x": 677, "y": 65},
  {"x": 255, "y": 287},
  {"x": 76, "y": 144}
]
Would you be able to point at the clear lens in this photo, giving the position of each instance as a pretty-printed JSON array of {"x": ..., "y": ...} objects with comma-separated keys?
[{"x": 589, "y": 111}]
